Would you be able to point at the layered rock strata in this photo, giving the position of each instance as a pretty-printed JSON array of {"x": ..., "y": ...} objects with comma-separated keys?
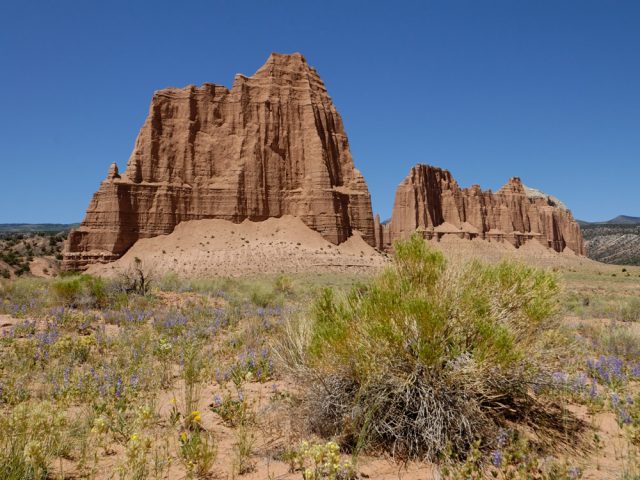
[
  {"x": 430, "y": 201},
  {"x": 270, "y": 146}
]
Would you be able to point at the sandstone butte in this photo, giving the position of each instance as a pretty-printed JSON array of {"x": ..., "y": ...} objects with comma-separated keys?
[
  {"x": 273, "y": 145},
  {"x": 431, "y": 202}
]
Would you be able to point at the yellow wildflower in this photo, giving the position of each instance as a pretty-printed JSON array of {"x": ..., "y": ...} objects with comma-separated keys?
[
  {"x": 99, "y": 425},
  {"x": 32, "y": 452}
]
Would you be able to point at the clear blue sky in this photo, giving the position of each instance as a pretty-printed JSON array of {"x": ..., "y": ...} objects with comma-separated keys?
[{"x": 546, "y": 90}]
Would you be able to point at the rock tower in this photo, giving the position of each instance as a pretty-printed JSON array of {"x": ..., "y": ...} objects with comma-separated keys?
[
  {"x": 270, "y": 146},
  {"x": 430, "y": 201}
]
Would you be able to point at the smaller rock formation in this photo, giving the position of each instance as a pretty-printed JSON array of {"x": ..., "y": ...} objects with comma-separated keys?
[{"x": 430, "y": 201}]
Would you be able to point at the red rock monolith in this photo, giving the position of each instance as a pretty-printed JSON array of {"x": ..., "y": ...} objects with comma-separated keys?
[{"x": 270, "y": 146}]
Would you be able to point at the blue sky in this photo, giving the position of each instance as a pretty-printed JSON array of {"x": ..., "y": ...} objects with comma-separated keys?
[{"x": 545, "y": 90}]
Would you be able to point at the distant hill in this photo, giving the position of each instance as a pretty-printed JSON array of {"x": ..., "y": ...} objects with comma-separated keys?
[
  {"x": 615, "y": 241},
  {"x": 36, "y": 227},
  {"x": 619, "y": 220},
  {"x": 624, "y": 220}
]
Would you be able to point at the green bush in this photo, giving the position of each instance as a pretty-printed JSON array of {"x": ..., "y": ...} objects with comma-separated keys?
[
  {"x": 427, "y": 356},
  {"x": 80, "y": 290},
  {"x": 23, "y": 292},
  {"x": 630, "y": 310},
  {"x": 263, "y": 296},
  {"x": 283, "y": 284}
]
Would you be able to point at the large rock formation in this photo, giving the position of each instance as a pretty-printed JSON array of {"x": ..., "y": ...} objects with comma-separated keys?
[
  {"x": 430, "y": 201},
  {"x": 273, "y": 145}
]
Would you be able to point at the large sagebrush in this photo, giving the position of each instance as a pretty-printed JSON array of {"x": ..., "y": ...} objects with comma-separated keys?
[{"x": 427, "y": 357}]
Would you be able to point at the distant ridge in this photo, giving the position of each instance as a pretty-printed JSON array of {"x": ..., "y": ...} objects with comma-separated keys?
[
  {"x": 613, "y": 241},
  {"x": 624, "y": 220},
  {"x": 36, "y": 227},
  {"x": 619, "y": 220}
]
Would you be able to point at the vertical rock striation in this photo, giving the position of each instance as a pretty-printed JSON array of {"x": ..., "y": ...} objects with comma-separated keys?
[
  {"x": 430, "y": 201},
  {"x": 273, "y": 145}
]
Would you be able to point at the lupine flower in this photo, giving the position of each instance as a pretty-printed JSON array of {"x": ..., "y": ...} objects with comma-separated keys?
[
  {"x": 624, "y": 416},
  {"x": 496, "y": 458},
  {"x": 593, "y": 392},
  {"x": 573, "y": 473},
  {"x": 502, "y": 437}
]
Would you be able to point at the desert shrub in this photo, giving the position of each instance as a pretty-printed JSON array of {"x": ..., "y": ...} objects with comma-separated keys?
[
  {"x": 80, "y": 290},
  {"x": 630, "y": 310},
  {"x": 283, "y": 284},
  {"x": 427, "y": 356},
  {"x": 22, "y": 295},
  {"x": 615, "y": 339},
  {"x": 30, "y": 437},
  {"x": 136, "y": 279},
  {"x": 263, "y": 296}
]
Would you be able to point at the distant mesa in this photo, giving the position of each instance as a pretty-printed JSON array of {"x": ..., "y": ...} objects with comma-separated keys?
[
  {"x": 431, "y": 202},
  {"x": 274, "y": 145}
]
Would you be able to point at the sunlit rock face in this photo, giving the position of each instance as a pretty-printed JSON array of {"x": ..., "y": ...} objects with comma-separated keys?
[
  {"x": 429, "y": 200},
  {"x": 273, "y": 145}
]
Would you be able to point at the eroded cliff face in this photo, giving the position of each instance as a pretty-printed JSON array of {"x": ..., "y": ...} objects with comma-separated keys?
[
  {"x": 273, "y": 145},
  {"x": 430, "y": 201}
]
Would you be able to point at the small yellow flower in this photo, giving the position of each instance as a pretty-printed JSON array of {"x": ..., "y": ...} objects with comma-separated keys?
[
  {"x": 173, "y": 400},
  {"x": 195, "y": 416},
  {"x": 183, "y": 436},
  {"x": 145, "y": 413},
  {"x": 135, "y": 437},
  {"x": 99, "y": 425}
]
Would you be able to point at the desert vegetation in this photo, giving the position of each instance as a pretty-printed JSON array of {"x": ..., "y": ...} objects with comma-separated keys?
[
  {"x": 427, "y": 358},
  {"x": 466, "y": 369},
  {"x": 19, "y": 249},
  {"x": 613, "y": 243}
]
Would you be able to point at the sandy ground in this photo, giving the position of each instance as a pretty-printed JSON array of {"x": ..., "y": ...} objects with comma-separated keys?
[
  {"x": 44, "y": 267},
  {"x": 207, "y": 248},
  {"x": 221, "y": 248},
  {"x": 532, "y": 252}
]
